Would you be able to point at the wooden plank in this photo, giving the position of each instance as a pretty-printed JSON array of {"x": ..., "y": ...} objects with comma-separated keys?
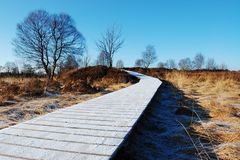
[
  {"x": 5, "y": 157},
  {"x": 81, "y": 148},
  {"x": 80, "y": 125},
  {"x": 32, "y": 153},
  {"x": 63, "y": 137},
  {"x": 125, "y": 123},
  {"x": 113, "y": 134}
]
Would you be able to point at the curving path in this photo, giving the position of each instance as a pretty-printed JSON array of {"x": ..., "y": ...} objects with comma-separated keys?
[{"x": 93, "y": 130}]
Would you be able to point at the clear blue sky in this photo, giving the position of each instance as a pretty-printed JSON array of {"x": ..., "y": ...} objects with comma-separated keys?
[{"x": 177, "y": 28}]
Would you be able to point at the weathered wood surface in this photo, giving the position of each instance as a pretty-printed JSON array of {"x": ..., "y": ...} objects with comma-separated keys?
[{"x": 92, "y": 130}]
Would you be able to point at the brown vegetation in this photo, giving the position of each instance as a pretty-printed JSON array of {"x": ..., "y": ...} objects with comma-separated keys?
[
  {"x": 92, "y": 79},
  {"x": 85, "y": 80},
  {"x": 24, "y": 98},
  {"x": 13, "y": 87},
  {"x": 217, "y": 93}
]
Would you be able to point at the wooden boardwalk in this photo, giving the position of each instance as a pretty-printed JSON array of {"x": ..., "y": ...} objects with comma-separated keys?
[{"x": 92, "y": 130}]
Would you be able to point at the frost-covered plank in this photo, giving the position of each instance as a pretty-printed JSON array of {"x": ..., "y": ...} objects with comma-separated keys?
[
  {"x": 74, "y": 131},
  {"x": 63, "y": 137},
  {"x": 58, "y": 145},
  {"x": 43, "y": 154}
]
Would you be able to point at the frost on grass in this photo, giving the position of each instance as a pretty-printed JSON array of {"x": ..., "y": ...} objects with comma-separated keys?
[{"x": 164, "y": 133}]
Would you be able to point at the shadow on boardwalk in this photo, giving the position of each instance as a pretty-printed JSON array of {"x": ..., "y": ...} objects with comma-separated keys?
[{"x": 159, "y": 135}]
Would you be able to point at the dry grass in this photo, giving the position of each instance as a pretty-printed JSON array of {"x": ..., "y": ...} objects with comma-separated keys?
[
  {"x": 217, "y": 93},
  {"x": 30, "y": 108},
  {"x": 94, "y": 79},
  {"x": 12, "y": 88},
  {"x": 85, "y": 81}
]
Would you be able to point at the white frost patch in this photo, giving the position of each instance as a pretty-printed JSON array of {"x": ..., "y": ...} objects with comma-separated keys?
[
  {"x": 49, "y": 94},
  {"x": 52, "y": 106}
]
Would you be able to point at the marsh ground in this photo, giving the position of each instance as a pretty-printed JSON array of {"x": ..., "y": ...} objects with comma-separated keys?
[
  {"x": 213, "y": 99},
  {"x": 162, "y": 131},
  {"x": 23, "y": 98}
]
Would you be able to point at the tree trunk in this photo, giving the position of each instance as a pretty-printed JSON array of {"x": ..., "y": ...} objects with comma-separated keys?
[
  {"x": 53, "y": 71},
  {"x": 110, "y": 64},
  {"x": 110, "y": 61}
]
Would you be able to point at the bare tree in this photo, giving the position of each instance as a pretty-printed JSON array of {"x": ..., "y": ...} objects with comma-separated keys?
[
  {"x": 66, "y": 40},
  {"x": 149, "y": 56},
  {"x": 1, "y": 69},
  {"x": 11, "y": 67},
  {"x": 119, "y": 64},
  {"x": 185, "y": 64},
  {"x": 8, "y": 66},
  {"x": 85, "y": 61},
  {"x": 70, "y": 63},
  {"x": 223, "y": 66},
  {"x": 103, "y": 59},
  {"x": 33, "y": 38},
  {"x": 110, "y": 42},
  {"x": 27, "y": 69},
  {"x": 170, "y": 64},
  {"x": 211, "y": 64},
  {"x": 161, "y": 65},
  {"x": 46, "y": 40},
  {"x": 198, "y": 61},
  {"x": 139, "y": 63}
]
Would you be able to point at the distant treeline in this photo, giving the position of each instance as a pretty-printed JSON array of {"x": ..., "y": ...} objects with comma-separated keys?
[{"x": 23, "y": 75}]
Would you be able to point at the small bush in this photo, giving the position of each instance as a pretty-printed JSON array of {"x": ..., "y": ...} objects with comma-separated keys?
[
  {"x": 8, "y": 91},
  {"x": 33, "y": 87},
  {"x": 92, "y": 79}
]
